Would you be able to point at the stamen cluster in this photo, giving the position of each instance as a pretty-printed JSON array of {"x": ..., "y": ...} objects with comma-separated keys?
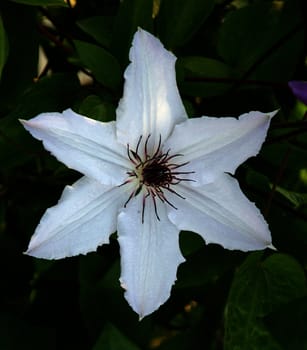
[{"x": 155, "y": 173}]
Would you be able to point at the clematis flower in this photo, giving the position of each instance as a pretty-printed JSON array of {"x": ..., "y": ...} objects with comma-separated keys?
[
  {"x": 299, "y": 90},
  {"x": 147, "y": 176}
]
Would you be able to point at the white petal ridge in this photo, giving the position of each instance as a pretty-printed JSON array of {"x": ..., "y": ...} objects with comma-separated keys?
[
  {"x": 151, "y": 104},
  {"x": 216, "y": 145},
  {"x": 83, "y": 144},
  {"x": 221, "y": 214},
  {"x": 150, "y": 255},
  {"x": 83, "y": 219}
]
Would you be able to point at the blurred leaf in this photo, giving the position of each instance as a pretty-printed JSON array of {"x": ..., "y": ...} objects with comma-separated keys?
[
  {"x": 4, "y": 47},
  {"x": 281, "y": 64},
  {"x": 190, "y": 242},
  {"x": 257, "y": 180},
  {"x": 49, "y": 94},
  {"x": 101, "y": 63},
  {"x": 42, "y": 2},
  {"x": 242, "y": 39},
  {"x": 274, "y": 153},
  {"x": 270, "y": 47},
  {"x": 21, "y": 66},
  {"x": 17, "y": 333},
  {"x": 112, "y": 339},
  {"x": 94, "y": 107},
  {"x": 296, "y": 198},
  {"x": 100, "y": 295},
  {"x": 131, "y": 15},
  {"x": 289, "y": 324},
  {"x": 204, "y": 77},
  {"x": 204, "y": 265},
  {"x": 289, "y": 230},
  {"x": 178, "y": 20},
  {"x": 98, "y": 27},
  {"x": 55, "y": 303},
  {"x": 2, "y": 213},
  {"x": 204, "y": 67},
  {"x": 102, "y": 299},
  {"x": 15, "y": 144},
  {"x": 260, "y": 287}
]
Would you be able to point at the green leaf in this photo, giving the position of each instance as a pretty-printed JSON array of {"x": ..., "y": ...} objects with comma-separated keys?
[
  {"x": 4, "y": 47},
  {"x": 21, "y": 65},
  {"x": 49, "y": 94},
  {"x": 296, "y": 198},
  {"x": 288, "y": 324},
  {"x": 101, "y": 63},
  {"x": 204, "y": 76},
  {"x": 102, "y": 299},
  {"x": 42, "y": 2},
  {"x": 257, "y": 180},
  {"x": 131, "y": 15},
  {"x": 178, "y": 20},
  {"x": 242, "y": 38},
  {"x": 17, "y": 333},
  {"x": 273, "y": 153},
  {"x": 205, "y": 266},
  {"x": 268, "y": 49},
  {"x": 94, "y": 107},
  {"x": 112, "y": 339},
  {"x": 98, "y": 27},
  {"x": 190, "y": 242},
  {"x": 260, "y": 287}
]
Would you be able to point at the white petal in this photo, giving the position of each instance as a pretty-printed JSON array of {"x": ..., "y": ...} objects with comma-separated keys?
[
  {"x": 83, "y": 219},
  {"x": 150, "y": 255},
  {"x": 151, "y": 104},
  {"x": 83, "y": 144},
  {"x": 215, "y": 145},
  {"x": 221, "y": 214}
]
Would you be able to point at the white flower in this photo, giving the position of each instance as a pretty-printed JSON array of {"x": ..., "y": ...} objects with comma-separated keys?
[{"x": 149, "y": 175}]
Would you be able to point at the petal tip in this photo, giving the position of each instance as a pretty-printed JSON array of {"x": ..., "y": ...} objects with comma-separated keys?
[
  {"x": 270, "y": 246},
  {"x": 30, "y": 252},
  {"x": 31, "y": 124},
  {"x": 26, "y": 123},
  {"x": 273, "y": 113}
]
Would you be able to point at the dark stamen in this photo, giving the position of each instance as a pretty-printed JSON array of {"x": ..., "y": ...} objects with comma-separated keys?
[
  {"x": 173, "y": 191},
  {"x": 156, "y": 172},
  {"x": 153, "y": 196},
  {"x": 146, "y": 144},
  {"x": 136, "y": 156},
  {"x": 143, "y": 207},
  {"x": 158, "y": 149},
  {"x": 130, "y": 197},
  {"x": 138, "y": 144}
]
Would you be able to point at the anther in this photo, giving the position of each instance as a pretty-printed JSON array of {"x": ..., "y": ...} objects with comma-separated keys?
[{"x": 155, "y": 172}]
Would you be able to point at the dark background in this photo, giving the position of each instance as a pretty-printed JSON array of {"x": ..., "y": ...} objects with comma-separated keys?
[{"x": 233, "y": 57}]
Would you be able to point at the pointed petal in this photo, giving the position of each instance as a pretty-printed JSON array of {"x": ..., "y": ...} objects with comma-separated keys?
[
  {"x": 150, "y": 255},
  {"x": 215, "y": 145},
  {"x": 221, "y": 214},
  {"x": 151, "y": 104},
  {"x": 83, "y": 219},
  {"x": 83, "y": 144}
]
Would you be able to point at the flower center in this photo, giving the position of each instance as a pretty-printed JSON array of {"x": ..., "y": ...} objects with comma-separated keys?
[{"x": 155, "y": 173}]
